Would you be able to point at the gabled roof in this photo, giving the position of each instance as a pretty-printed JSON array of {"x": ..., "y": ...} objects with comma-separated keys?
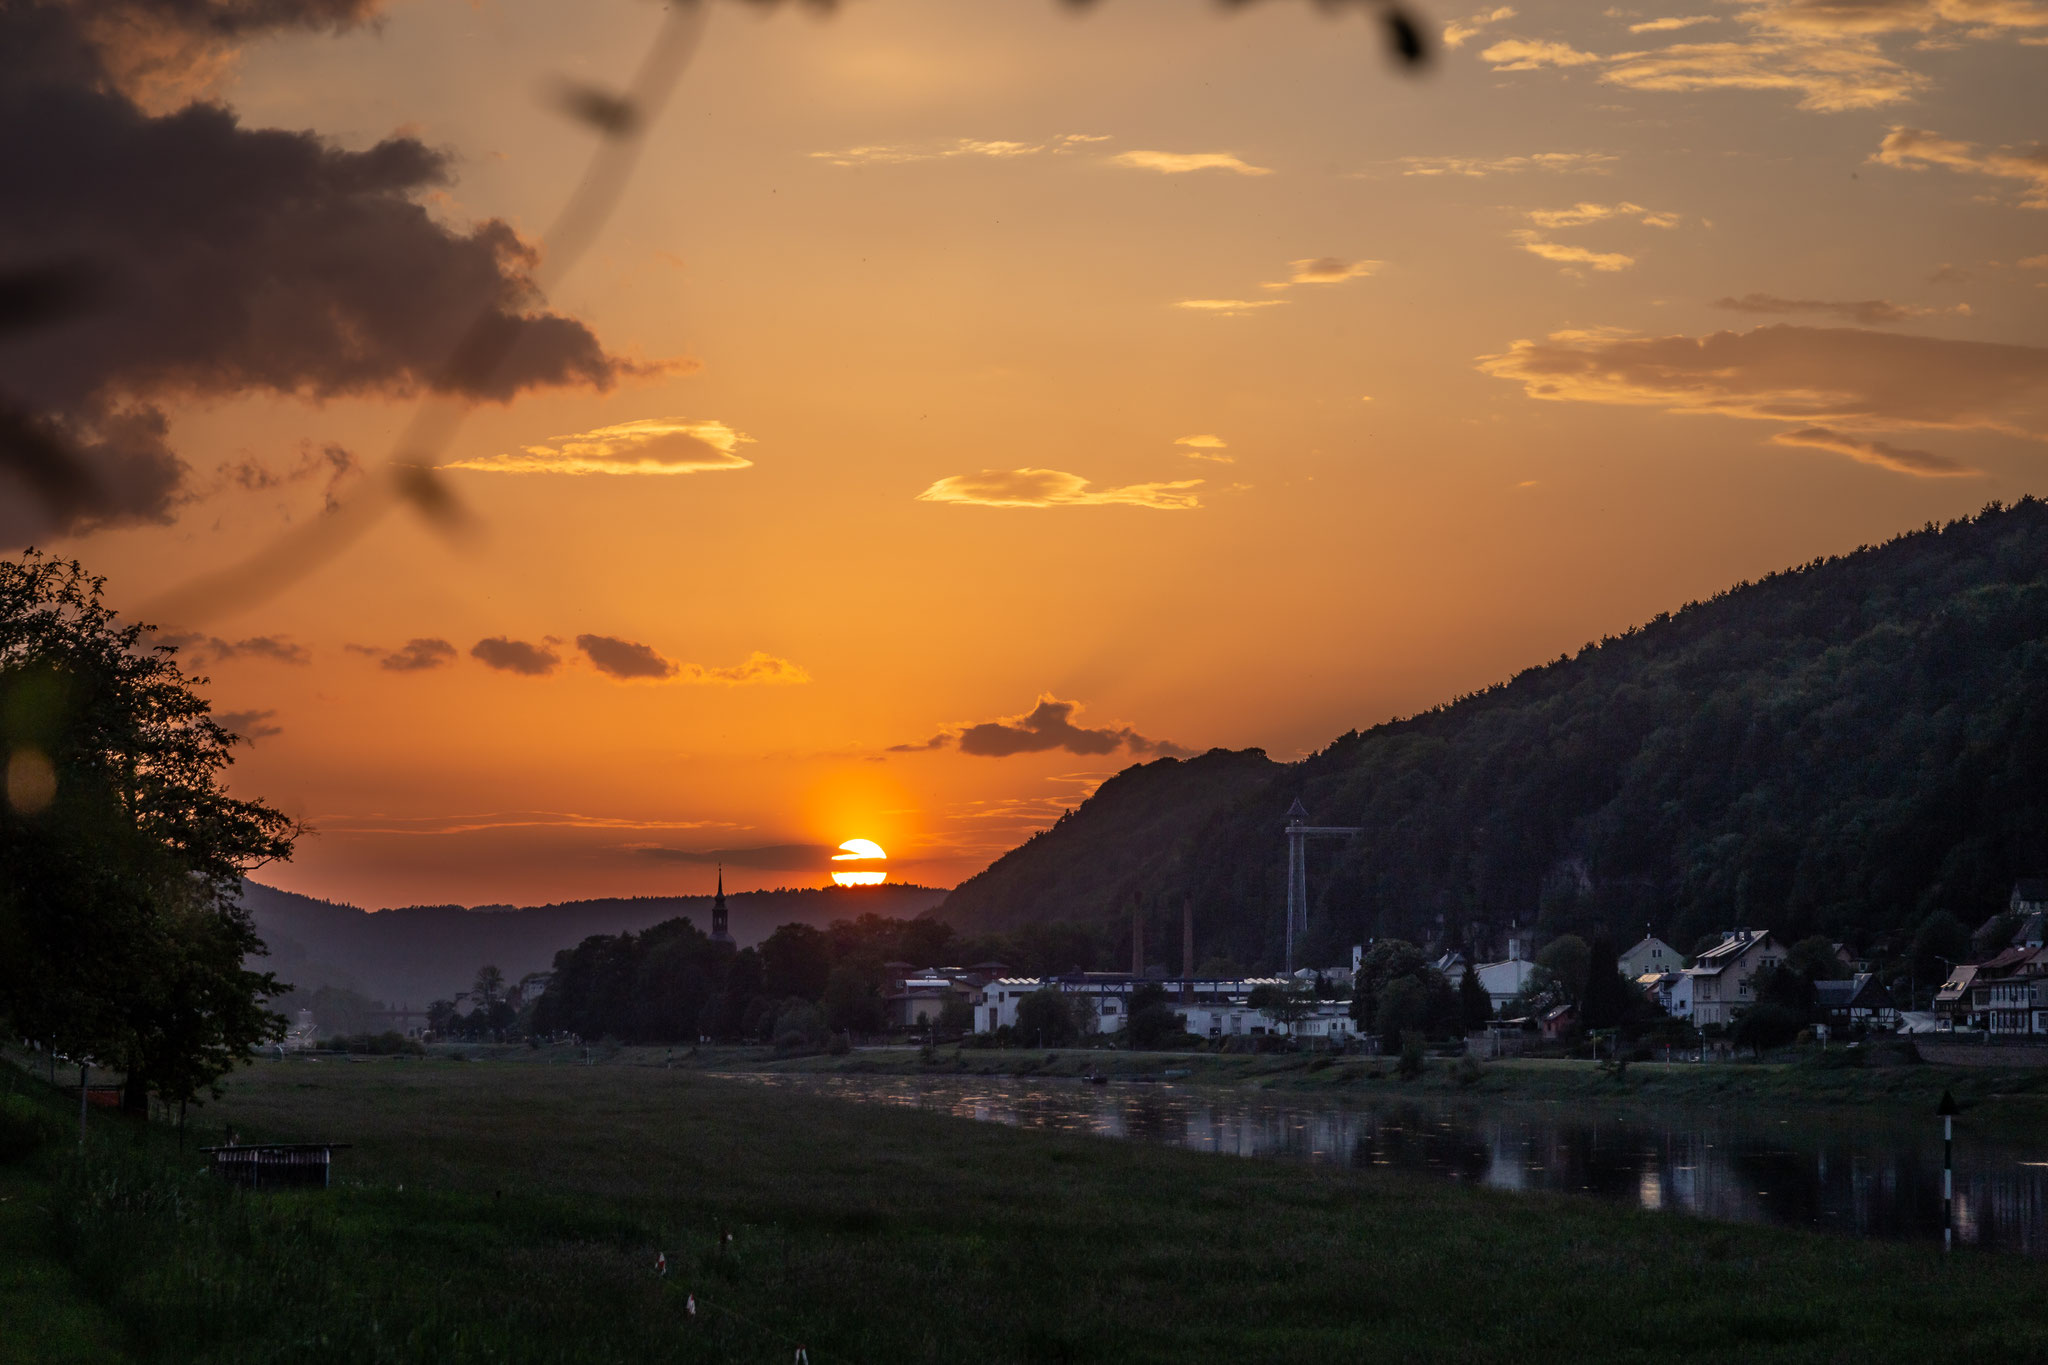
[
  {"x": 1861, "y": 991},
  {"x": 1730, "y": 949},
  {"x": 1958, "y": 982}
]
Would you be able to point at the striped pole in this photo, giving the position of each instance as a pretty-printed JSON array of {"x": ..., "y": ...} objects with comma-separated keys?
[{"x": 1947, "y": 1111}]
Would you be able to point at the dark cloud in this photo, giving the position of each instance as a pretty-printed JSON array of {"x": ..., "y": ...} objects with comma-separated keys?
[
  {"x": 230, "y": 259},
  {"x": 1921, "y": 464},
  {"x": 203, "y": 649},
  {"x": 250, "y": 725},
  {"x": 623, "y": 658},
  {"x": 515, "y": 656},
  {"x": 1870, "y": 312},
  {"x": 1047, "y": 726},
  {"x": 416, "y": 656},
  {"x": 763, "y": 857}
]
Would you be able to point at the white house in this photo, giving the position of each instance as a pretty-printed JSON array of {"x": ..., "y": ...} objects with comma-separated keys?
[
  {"x": 1107, "y": 998},
  {"x": 1503, "y": 981},
  {"x": 1722, "y": 978},
  {"x": 1651, "y": 955}
]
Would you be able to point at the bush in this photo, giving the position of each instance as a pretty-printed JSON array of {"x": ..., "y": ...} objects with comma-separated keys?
[
  {"x": 25, "y": 1126},
  {"x": 1411, "y": 1055},
  {"x": 1467, "y": 1070}
]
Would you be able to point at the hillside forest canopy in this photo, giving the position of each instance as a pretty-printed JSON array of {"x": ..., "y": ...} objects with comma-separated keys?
[{"x": 1848, "y": 748}]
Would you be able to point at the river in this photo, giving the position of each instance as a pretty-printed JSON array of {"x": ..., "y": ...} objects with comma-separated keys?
[{"x": 1842, "y": 1171}]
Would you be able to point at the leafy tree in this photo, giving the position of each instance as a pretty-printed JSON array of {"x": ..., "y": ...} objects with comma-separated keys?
[
  {"x": 1813, "y": 957},
  {"x": 1403, "y": 1008},
  {"x": 121, "y": 858},
  {"x": 1940, "y": 936},
  {"x": 796, "y": 960},
  {"x": 1475, "y": 1006},
  {"x": 1765, "y": 1025},
  {"x": 956, "y": 1016},
  {"x": 851, "y": 1002},
  {"x": 1045, "y": 1018},
  {"x": 1788, "y": 989},
  {"x": 1566, "y": 959},
  {"x": 490, "y": 985},
  {"x": 1608, "y": 999},
  {"x": 1286, "y": 1005},
  {"x": 1153, "y": 1023}
]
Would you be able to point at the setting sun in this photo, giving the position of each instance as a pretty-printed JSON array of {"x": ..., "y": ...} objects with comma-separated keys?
[{"x": 860, "y": 851}]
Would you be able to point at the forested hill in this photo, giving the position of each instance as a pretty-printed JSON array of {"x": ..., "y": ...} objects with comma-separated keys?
[
  {"x": 420, "y": 953},
  {"x": 1847, "y": 746},
  {"x": 1126, "y": 836}
]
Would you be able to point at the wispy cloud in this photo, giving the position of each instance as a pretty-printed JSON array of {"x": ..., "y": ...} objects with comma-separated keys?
[
  {"x": 1325, "y": 270},
  {"x": 1830, "y": 71},
  {"x": 1474, "y": 167},
  {"x": 1832, "y": 18},
  {"x": 1205, "y": 447},
  {"x": 1827, "y": 380},
  {"x": 631, "y": 661},
  {"x": 1227, "y": 307},
  {"x": 896, "y": 154},
  {"x": 1047, "y": 726},
  {"x": 1180, "y": 163},
  {"x": 1458, "y": 32},
  {"x": 205, "y": 649},
  {"x": 1920, "y": 464},
  {"x": 250, "y": 725},
  {"x": 1537, "y": 245},
  {"x": 1055, "y": 488},
  {"x": 416, "y": 655},
  {"x": 1673, "y": 23},
  {"x": 1868, "y": 312},
  {"x": 432, "y": 825},
  {"x": 1578, "y": 215},
  {"x": 651, "y": 445},
  {"x": 1915, "y": 149}
]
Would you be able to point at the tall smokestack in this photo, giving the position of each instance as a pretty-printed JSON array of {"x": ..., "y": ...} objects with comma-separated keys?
[{"x": 1187, "y": 948}]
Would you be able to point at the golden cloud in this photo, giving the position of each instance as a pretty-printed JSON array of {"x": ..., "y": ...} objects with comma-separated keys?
[
  {"x": 1578, "y": 215},
  {"x": 1205, "y": 447},
  {"x": 1606, "y": 261},
  {"x": 652, "y": 445},
  {"x": 1459, "y": 31},
  {"x": 1981, "y": 18},
  {"x": 1523, "y": 54},
  {"x": 1839, "y": 376},
  {"x": 1054, "y": 488},
  {"x": 1326, "y": 270},
  {"x": 1920, "y": 464},
  {"x": 898, "y": 153},
  {"x": 1915, "y": 149},
  {"x": 1227, "y": 307},
  {"x": 1869, "y": 312},
  {"x": 1180, "y": 163},
  {"x": 1668, "y": 25},
  {"x": 1474, "y": 167}
]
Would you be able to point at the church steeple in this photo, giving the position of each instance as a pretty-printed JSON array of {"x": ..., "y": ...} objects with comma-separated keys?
[{"x": 719, "y": 932}]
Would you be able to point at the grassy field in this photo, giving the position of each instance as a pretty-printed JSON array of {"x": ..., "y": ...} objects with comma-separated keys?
[{"x": 498, "y": 1211}]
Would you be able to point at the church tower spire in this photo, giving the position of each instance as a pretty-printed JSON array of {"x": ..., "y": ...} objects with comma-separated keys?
[{"x": 719, "y": 932}]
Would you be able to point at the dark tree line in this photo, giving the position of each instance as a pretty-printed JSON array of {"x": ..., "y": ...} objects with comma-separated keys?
[{"x": 672, "y": 984}]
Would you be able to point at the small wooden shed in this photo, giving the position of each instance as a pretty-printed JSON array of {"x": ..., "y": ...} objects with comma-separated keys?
[{"x": 275, "y": 1165}]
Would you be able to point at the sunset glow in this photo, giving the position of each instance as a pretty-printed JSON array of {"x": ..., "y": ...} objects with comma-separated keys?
[{"x": 964, "y": 402}]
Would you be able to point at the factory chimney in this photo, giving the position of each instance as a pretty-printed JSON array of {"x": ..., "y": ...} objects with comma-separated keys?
[
  {"x": 1187, "y": 949},
  {"x": 1137, "y": 936}
]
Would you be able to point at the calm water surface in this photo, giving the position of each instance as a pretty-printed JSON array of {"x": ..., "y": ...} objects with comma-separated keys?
[{"x": 1845, "y": 1172}]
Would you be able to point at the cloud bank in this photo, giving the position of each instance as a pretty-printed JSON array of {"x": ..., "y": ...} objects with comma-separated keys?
[
  {"x": 1054, "y": 488},
  {"x": 630, "y": 661}
]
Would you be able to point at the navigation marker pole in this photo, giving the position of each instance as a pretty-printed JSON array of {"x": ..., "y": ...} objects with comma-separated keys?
[{"x": 1947, "y": 1111}]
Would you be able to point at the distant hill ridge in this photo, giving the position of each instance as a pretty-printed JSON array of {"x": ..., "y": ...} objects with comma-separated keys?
[
  {"x": 418, "y": 953},
  {"x": 1843, "y": 747}
]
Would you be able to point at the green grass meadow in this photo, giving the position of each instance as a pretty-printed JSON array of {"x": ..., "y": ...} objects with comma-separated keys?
[{"x": 512, "y": 1211}]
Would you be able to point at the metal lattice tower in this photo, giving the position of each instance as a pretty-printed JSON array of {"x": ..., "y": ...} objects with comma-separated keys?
[{"x": 1299, "y": 832}]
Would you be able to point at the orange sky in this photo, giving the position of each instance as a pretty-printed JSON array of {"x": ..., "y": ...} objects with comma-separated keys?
[{"x": 1197, "y": 368}]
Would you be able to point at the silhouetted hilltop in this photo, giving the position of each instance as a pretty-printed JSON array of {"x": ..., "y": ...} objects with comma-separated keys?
[
  {"x": 418, "y": 953},
  {"x": 1122, "y": 838},
  {"x": 1844, "y": 747}
]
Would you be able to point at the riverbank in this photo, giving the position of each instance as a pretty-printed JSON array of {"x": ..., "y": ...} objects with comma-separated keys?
[
  {"x": 2015, "y": 1093},
  {"x": 514, "y": 1214}
]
